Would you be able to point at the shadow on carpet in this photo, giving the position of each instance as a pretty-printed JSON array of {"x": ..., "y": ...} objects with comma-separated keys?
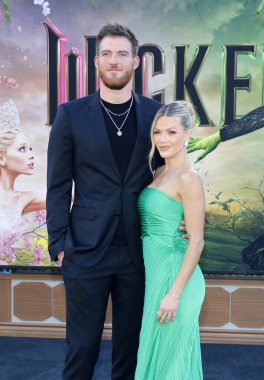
[{"x": 42, "y": 359}]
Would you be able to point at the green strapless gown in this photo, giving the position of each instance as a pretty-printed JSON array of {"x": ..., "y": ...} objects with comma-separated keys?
[{"x": 172, "y": 351}]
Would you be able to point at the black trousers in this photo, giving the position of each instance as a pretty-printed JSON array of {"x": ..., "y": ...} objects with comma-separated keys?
[{"x": 87, "y": 293}]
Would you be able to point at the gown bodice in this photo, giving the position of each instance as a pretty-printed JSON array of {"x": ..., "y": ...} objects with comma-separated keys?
[{"x": 161, "y": 215}]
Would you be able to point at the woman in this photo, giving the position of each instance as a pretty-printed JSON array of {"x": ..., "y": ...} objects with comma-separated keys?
[
  {"x": 16, "y": 158},
  {"x": 169, "y": 340}
]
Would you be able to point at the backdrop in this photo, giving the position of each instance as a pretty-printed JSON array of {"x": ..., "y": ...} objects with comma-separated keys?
[{"x": 207, "y": 51}]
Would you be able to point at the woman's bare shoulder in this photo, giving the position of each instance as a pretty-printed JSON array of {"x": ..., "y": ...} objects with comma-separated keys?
[
  {"x": 189, "y": 178},
  {"x": 189, "y": 174}
]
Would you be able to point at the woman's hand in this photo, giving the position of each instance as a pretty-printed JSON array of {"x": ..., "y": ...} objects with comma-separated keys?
[{"x": 167, "y": 310}]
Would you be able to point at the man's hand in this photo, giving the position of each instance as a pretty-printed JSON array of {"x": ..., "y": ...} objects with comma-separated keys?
[
  {"x": 208, "y": 144},
  {"x": 60, "y": 257},
  {"x": 183, "y": 228}
]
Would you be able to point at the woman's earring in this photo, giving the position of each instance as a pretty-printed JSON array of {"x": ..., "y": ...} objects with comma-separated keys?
[{"x": 186, "y": 143}]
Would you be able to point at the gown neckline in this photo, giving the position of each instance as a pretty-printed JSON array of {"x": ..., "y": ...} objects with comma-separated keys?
[{"x": 165, "y": 194}]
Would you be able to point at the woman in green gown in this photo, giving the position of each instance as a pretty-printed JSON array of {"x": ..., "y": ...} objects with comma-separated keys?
[{"x": 169, "y": 340}]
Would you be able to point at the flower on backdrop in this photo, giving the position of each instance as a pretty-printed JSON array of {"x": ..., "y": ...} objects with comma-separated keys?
[
  {"x": 45, "y": 6},
  {"x": 8, "y": 82},
  {"x": 40, "y": 217},
  {"x": 46, "y": 9}
]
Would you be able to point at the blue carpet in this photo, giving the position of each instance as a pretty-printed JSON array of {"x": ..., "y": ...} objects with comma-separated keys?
[{"x": 42, "y": 359}]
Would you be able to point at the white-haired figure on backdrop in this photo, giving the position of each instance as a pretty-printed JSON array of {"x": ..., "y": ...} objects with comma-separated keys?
[{"x": 16, "y": 158}]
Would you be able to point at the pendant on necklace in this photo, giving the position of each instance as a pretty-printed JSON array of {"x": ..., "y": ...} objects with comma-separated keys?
[{"x": 119, "y": 133}]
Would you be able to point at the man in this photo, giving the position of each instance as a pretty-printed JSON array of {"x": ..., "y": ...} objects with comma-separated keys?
[{"x": 101, "y": 142}]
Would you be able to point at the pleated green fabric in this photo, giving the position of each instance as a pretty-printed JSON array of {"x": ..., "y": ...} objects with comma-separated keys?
[{"x": 172, "y": 351}]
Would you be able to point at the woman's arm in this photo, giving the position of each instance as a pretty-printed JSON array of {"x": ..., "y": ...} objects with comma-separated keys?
[
  {"x": 192, "y": 194},
  {"x": 36, "y": 202},
  {"x": 251, "y": 122}
]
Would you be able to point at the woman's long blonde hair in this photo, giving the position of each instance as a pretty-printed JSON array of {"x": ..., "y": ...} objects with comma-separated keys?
[{"x": 179, "y": 108}]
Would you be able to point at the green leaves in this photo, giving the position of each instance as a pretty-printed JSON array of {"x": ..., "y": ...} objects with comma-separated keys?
[
  {"x": 225, "y": 204},
  {"x": 7, "y": 13},
  {"x": 93, "y": 3}
]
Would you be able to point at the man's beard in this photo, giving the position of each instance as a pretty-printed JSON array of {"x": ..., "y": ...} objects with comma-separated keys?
[{"x": 116, "y": 83}]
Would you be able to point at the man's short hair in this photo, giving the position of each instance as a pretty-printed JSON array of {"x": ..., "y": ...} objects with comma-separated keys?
[{"x": 120, "y": 31}]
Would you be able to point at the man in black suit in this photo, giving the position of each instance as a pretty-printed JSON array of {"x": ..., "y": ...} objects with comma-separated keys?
[{"x": 101, "y": 142}]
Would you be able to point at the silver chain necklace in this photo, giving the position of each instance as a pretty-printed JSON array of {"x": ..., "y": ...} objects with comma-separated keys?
[{"x": 119, "y": 132}]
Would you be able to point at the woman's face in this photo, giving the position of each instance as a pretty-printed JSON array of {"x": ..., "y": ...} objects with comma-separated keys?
[
  {"x": 169, "y": 136},
  {"x": 19, "y": 157}
]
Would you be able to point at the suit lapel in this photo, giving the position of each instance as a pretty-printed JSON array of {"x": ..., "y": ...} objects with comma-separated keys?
[
  {"x": 141, "y": 140},
  {"x": 97, "y": 125}
]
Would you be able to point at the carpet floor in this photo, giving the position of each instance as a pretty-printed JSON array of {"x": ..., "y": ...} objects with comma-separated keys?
[{"x": 42, "y": 359}]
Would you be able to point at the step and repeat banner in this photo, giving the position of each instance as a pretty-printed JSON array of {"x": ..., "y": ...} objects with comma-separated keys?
[{"x": 207, "y": 51}]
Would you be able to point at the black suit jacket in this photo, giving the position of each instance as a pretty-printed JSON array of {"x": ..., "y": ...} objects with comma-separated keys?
[{"x": 79, "y": 150}]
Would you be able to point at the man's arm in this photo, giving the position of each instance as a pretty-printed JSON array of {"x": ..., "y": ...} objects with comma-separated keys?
[{"x": 59, "y": 182}]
